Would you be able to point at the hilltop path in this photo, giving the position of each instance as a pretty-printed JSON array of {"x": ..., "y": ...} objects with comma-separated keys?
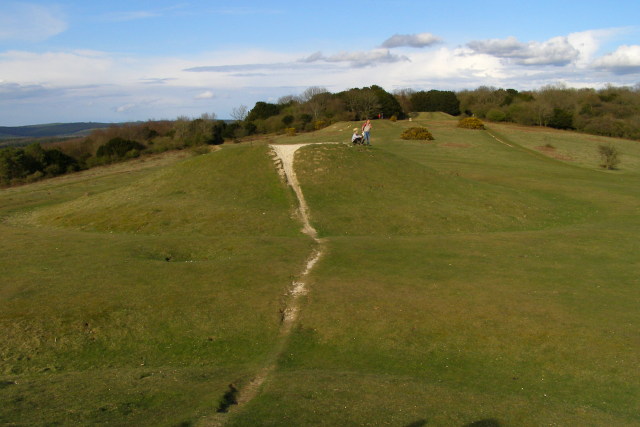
[{"x": 285, "y": 154}]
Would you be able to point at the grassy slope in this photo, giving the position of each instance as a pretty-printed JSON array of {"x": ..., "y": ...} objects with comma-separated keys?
[
  {"x": 466, "y": 281},
  {"x": 98, "y": 327}
]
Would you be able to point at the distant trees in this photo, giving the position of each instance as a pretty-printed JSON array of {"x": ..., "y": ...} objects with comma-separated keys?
[
  {"x": 316, "y": 100},
  {"x": 33, "y": 162},
  {"x": 263, "y": 110},
  {"x": 611, "y": 111},
  {"x": 361, "y": 103},
  {"x": 200, "y": 131},
  {"x": 118, "y": 148},
  {"x": 239, "y": 113},
  {"x": 436, "y": 100}
]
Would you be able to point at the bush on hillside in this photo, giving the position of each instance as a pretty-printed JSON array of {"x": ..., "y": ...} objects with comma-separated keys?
[
  {"x": 117, "y": 148},
  {"x": 496, "y": 115},
  {"x": 609, "y": 156},
  {"x": 471, "y": 123},
  {"x": 417, "y": 133}
]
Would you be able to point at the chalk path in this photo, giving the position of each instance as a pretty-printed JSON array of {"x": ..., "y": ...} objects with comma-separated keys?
[{"x": 285, "y": 155}]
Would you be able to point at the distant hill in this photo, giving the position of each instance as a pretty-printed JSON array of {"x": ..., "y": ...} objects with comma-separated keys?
[{"x": 50, "y": 130}]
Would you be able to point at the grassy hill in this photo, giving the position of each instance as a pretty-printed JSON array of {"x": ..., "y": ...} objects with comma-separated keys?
[
  {"x": 467, "y": 280},
  {"x": 50, "y": 130}
]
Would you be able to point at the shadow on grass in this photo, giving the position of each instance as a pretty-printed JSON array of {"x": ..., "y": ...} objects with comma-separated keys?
[
  {"x": 229, "y": 398},
  {"x": 419, "y": 423}
]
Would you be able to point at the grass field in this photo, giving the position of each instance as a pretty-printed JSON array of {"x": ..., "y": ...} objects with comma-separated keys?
[{"x": 467, "y": 281}]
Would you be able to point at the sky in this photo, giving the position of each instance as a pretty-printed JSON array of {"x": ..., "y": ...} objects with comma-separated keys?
[{"x": 115, "y": 61}]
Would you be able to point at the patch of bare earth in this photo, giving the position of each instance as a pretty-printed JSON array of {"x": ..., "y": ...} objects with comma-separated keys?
[{"x": 552, "y": 152}]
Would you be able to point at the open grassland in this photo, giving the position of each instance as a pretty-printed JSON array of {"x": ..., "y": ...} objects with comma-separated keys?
[
  {"x": 466, "y": 280},
  {"x": 135, "y": 298}
]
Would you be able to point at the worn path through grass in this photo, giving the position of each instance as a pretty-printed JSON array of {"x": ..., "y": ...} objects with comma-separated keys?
[{"x": 467, "y": 282}]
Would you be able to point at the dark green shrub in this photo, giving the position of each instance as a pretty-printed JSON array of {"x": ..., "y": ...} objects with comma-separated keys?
[
  {"x": 288, "y": 119},
  {"x": 471, "y": 123},
  {"x": 496, "y": 115},
  {"x": 118, "y": 148},
  {"x": 561, "y": 119},
  {"x": 436, "y": 100},
  {"x": 417, "y": 133},
  {"x": 263, "y": 110},
  {"x": 305, "y": 118}
]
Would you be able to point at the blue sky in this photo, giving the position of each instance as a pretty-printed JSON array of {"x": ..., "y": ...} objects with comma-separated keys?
[{"x": 67, "y": 60}]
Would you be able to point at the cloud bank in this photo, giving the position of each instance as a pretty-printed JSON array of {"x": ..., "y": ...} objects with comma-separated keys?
[
  {"x": 557, "y": 51},
  {"x": 29, "y": 22},
  {"x": 624, "y": 60},
  {"x": 106, "y": 86}
]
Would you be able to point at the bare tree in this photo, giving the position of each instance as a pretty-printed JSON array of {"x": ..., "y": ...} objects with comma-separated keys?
[
  {"x": 311, "y": 92},
  {"x": 362, "y": 102},
  {"x": 404, "y": 99},
  {"x": 288, "y": 99},
  {"x": 316, "y": 99},
  {"x": 239, "y": 113},
  {"x": 208, "y": 116}
]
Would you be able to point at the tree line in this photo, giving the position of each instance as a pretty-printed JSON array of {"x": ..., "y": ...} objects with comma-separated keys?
[{"x": 611, "y": 111}]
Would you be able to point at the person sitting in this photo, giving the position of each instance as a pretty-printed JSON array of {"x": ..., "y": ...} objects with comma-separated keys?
[{"x": 356, "y": 138}]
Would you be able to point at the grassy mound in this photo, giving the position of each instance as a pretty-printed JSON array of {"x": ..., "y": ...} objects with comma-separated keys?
[
  {"x": 236, "y": 191},
  {"x": 374, "y": 193}
]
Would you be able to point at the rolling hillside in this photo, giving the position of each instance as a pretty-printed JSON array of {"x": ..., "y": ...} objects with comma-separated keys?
[
  {"x": 50, "y": 130},
  {"x": 477, "y": 279}
]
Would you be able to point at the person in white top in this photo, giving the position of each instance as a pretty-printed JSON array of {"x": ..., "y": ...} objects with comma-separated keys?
[{"x": 356, "y": 138}]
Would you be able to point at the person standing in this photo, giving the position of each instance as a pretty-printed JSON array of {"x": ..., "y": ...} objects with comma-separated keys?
[{"x": 366, "y": 130}]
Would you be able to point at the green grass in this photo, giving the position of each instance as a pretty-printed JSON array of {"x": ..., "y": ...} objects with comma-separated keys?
[
  {"x": 518, "y": 310},
  {"x": 465, "y": 281},
  {"x": 124, "y": 303}
]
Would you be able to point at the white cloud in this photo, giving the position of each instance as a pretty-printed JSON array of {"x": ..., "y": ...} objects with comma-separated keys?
[
  {"x": 588, "y": 43},
  {"x": 357, "y": 59},
  {"x": 624, "y": 60},
  {"x": 419, "y": 40},
  {"x": 132, "y": 16},
  {"x": 557, "y": 51},
  {"x": 207, "y": 94},
  {"x": 124, "y": 108},
  {"x": 76, "y": 68},
  {"x": 106, "y": 86},
  {"x": 29, "y": 22}
]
